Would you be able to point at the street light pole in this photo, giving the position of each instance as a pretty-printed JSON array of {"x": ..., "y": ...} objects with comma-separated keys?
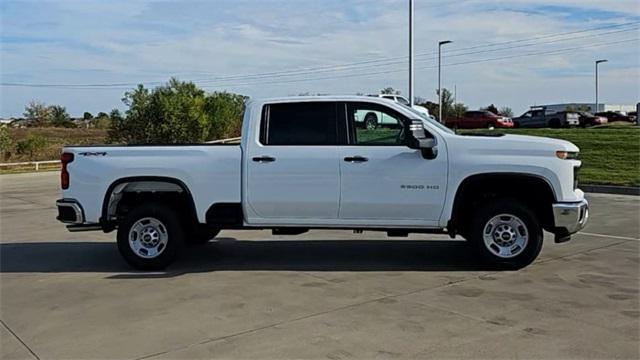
[
  {"x": 439, "y": 78},
  {"x": 597, "y": 104},
  {"x": 411, "y": 69}
]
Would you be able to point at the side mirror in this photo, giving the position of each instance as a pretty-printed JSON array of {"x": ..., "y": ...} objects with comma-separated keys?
[{"x": 417, "y": 139}]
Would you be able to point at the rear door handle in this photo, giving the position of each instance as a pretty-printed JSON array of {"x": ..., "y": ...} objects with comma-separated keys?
[
  {"x": 356, "y": 159},
  {"x": 264, "y": 159}
]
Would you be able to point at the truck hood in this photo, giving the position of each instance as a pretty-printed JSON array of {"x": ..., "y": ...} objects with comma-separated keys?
[{"x": 520, "y": 144}]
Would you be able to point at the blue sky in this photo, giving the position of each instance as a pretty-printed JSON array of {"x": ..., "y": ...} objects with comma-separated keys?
[{"x": 333, "y": 46}]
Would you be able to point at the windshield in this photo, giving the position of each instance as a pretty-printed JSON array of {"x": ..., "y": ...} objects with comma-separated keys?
[{"x": 430, "y": 121}]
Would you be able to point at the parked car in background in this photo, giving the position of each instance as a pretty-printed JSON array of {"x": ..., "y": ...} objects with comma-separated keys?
[
  {"x": 374, "y": 119},
  {"x": 479, "y": 119},
  {"x": 588, "y": 119},
  {"x": 540, "y": 117},
  {"x": 615, "y": 116},
  {"x": 402, "y": 100}
]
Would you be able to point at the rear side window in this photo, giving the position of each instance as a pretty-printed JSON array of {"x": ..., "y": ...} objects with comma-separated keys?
[{"x": 308, "y": 123}]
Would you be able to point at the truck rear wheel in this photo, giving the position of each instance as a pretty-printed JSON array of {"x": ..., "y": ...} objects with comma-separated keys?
[
  {"x": 506, "y": 234},
  {"x": 150, "y": 237}
]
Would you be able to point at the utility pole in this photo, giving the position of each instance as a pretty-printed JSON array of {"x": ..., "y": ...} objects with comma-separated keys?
[
  {"x": 597, "y": 104},
  {"x": 439, "y": 78},
  {"x": 411, "y": 73}
]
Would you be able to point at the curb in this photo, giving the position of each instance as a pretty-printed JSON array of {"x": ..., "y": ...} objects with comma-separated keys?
[{"x": 611, "y": 189}]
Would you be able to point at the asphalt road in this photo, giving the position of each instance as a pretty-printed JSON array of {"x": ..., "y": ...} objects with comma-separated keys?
[{"x": 325, "y": 294}]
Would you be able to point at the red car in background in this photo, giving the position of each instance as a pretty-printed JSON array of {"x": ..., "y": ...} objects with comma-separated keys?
[
  {"x": 588, "y": 119},
  {"x": 480, "y": 119}
]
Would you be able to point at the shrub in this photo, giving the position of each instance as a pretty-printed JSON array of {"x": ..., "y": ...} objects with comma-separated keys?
[
  {"x": 178, "y": 112},
  {"x": 31, "y": 145}
]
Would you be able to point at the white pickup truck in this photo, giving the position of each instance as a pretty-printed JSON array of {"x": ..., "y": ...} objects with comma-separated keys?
[{"x": 303, "y": 164}]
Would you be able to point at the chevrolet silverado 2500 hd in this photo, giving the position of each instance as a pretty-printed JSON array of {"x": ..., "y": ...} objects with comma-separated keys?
[{"x": 304, "y": 164}]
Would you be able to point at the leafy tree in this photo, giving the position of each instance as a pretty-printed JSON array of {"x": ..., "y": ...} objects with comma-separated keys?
[
  {"x": 458, "y": 110},
  {"x": 506, "y": 111},
  {"x": 431, "y": 106},
  {"x": 104, "y": 120},
  {"x": 492, "y": 108},
  {"x": 32, "y": 144},
  {"x": 390, "y": 90},
  {"x": 224, "y": 114},
  {"x": 172, "y": 113},
  {"x": 447, "y": 104},
  {"x": 59, "y": 117},
  {"x": 87, "y": 116},
  {"x": 36, "y": 113},
  {"x": 177, "y": 112}
]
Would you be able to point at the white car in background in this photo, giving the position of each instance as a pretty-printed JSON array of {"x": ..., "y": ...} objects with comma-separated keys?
[{"x": 372, "y": 119}]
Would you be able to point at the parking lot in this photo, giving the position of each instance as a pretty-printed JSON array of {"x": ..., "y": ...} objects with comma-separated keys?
[{"x": 324, "y": 294}]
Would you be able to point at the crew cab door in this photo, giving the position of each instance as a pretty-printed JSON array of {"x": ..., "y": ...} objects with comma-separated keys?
[
  {"x": 383, "y": 181},
  {"x": 292, "y": 169}
]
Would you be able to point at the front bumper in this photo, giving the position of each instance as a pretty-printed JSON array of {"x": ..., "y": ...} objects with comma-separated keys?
[
  {"x": 70, "y": 211},
  {"x": 569, "y": 218}
]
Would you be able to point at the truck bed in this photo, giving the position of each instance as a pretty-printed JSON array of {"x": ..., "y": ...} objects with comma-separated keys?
[{"x": 210, "y": 171}]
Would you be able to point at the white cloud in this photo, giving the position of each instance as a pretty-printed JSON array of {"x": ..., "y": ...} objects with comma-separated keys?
[{"x": 98, "y": 42}]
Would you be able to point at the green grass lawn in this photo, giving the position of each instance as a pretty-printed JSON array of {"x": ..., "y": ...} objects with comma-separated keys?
[{"x": 610, "y": 155}]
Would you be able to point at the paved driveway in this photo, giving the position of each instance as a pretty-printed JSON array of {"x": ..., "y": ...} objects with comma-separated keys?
[{"x": 325, "y": 294}]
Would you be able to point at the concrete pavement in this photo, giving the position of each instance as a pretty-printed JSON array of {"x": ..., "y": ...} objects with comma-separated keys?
[{"x": 325, "y": 294}]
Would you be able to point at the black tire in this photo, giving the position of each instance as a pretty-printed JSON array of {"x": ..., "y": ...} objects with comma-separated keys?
[
  {"x": 522, "y": 256},
  {"x": 516, "y": 124},
  {"x": 202, "y": 236},
  {"x": 554, "y": 123},
  {"x": 170, "y": 226},
  {"x": 491, "y": 126},
  {"x": 370, "y": 121}
]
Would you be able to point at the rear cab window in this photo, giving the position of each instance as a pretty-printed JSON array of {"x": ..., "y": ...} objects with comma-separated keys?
[{"x": 301, "y": 124}]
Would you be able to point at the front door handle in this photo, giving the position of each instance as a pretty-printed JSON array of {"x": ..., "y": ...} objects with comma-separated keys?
[
  {"x": 264, "y": 159},
  {"x": 356, "y": 159}
]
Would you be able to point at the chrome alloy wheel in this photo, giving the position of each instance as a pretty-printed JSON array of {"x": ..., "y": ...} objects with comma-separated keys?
[
  {"x": 148, "y": 237},
  {"x": 505, "y": 236}
]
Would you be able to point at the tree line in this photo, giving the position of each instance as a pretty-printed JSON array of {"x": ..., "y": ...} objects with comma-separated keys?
[{"x": 177, "y": 112}]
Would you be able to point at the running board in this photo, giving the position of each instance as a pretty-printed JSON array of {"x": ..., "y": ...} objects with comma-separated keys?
[{"x": 88, "y": 227}]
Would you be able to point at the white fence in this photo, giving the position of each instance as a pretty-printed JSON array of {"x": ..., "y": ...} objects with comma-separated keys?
[
  {"x": 36, "y": 164},
  {"x": 29, "y": 164}
]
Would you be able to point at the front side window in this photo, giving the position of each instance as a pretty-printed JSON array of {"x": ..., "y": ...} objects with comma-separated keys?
[
  {"x": 305, "y": 123},
  {"x": 374, "y": 124}
]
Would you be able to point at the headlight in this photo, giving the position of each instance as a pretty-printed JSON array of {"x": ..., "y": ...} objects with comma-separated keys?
[{"x": 567, "y": 155}]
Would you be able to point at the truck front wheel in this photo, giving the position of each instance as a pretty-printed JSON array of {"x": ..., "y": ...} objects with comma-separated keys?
[
  {"x": 150, "y": 237},
  {"x": 370, "y": 121},
  {"x": 506, "y": 234}
]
